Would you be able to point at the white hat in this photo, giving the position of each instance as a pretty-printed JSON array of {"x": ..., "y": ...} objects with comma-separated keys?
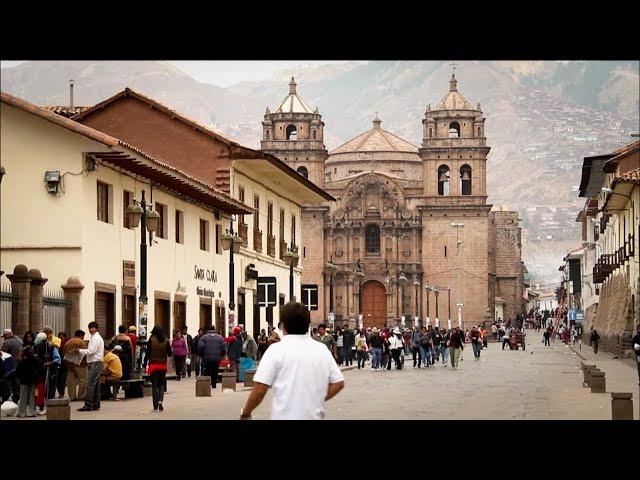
[
  {"x": 7, "y": 331},
  {"x": 396, "y": 330}
]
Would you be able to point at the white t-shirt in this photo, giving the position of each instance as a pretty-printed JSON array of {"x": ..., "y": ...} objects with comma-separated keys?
[{"x": 299, "y": 370}]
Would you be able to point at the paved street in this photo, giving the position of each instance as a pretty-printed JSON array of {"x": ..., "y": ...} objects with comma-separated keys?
[{"x": 539, "y": 383}]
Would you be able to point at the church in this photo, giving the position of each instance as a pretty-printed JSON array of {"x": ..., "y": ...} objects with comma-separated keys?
[{"x": 411, "y": 239}]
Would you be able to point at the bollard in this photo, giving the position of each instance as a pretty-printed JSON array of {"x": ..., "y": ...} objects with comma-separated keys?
[
  {"x": 229, "y": 381},
  {"x": 621, "y": 406},
  {"x": 587, "y": 374},
  {"x": 59, "y": 409},
  {"x": 248, "y": 377},
  {"x": 203, "y": 386},
  {"x": 598, "y": 383}
]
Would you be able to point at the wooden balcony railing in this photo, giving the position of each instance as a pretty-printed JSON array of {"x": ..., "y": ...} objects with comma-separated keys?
[
  {"x": 257, "y": 240},
  {"x": 271, "y": 245},
  {"x": 243, "y": 231}
]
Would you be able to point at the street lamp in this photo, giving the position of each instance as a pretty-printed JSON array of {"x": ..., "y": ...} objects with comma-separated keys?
[
  {"x": 436, "y": 291},
  {"x": 137, "y": 211},
  {"x": 459, "y": 303},
  {"x": 428, "y": 288},
  {"x": 291, "y": 258},
  {"x": 416, "y": 284},
  {"x": 402, "y": 280},
  {"x": 230, "y": 241},
  {"x": 330, "y": 269},
  {"x": 2, "y": 173}
]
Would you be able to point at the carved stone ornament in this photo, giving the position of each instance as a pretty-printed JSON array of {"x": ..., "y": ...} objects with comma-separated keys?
[{"x": 406, "y": 214}]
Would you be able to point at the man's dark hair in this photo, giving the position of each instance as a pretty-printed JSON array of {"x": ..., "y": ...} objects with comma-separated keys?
[
  {"x": 79, "y": 333},
  {"x": 295, "y": 318},
  {"x": 122, "y": 329},
  {"x": 322, "y": 325},
  {"x": 93, "y": 325},
  {"x": 184, "y": 329},
  {"x": 210, "y": 327}
]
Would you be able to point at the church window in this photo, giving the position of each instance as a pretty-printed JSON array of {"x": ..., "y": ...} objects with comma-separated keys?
[
  {"x": 445, "y": 250},
  {"x": 372, "y": 238},
  {"x": 465, "y": 179},
  {"x": 303, "y": 171},
  {"x": 443, "y": 180},
  {"x": 267, "y": 134},
  {"x": 292, "y": 132},
  {"x": 430, "y": 132},
  {"x": 479, "y": 134},
  {"x": 454, "y": 130},
  {"x": 314, "y": 134}
]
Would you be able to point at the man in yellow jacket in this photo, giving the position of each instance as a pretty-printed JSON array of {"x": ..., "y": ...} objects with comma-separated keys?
[{"x": 112, "y": 371}]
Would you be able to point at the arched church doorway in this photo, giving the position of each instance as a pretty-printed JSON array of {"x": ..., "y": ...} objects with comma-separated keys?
[{"x": 374, "y": 304}]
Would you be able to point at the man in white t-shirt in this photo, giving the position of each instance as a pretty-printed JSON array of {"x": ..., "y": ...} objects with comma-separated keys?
[{"x": 301, "y": 371}]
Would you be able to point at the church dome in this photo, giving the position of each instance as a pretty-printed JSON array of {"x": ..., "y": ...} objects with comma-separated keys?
[
  {"x": 293, "y": 103},
  {"x": 376, "y": 140},
  {"x": 454, "y": 99}
]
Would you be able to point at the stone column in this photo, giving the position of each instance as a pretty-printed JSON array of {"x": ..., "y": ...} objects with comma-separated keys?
[
  {"x": 35, "y": 300},
  {"x": 20, "y": 287},
  {"x": 73, "y": 292}
]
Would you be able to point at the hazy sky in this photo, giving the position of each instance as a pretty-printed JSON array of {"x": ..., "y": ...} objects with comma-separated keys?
[{"x": 227, "y": 72}]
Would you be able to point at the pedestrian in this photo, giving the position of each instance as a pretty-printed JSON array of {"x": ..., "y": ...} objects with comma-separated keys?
[
  {"x": 396, "y": 345},
  {"x": 327, "y": 339},
  {"x": 444, "y": 346},
  {"x": 339, "y": 338},
  {"x": 111, "y": 371},
  {"x": 361, "y": 348},
  {"x": 48, "y": 359},
  {"x": 476, "y": 342},
  {"x": 249, "y": 346},
  {"x": 506, "y": 339},
  {"x": 494, "y": 331},
  {"x": 12, "y": 345},
  {"x": 415, "y": 347},
  {"x": 635, "y": 342},
  {"x": 94, "y": 354},
  {"x": 302, "y": 373},
  {"x": 436, "y": 338},
  {"x": 189, "y": 341},
  {"x": 132, "y": 333},
  {"x": 61, "y": 378},
  {"x": 198, "y": 359},
  {"x": 376, "y": 342},
  {"x": 76, "y": 366},
  {"x": 262, "y": 343},
  {"x": 425, "y": 345},
  {"x": 26, "y": 374},
  {"x": 179, "y": 350},
  {"x": 212, "y": 349},
  {"x": 234, "y": 351},
  {"x": 156, "y": 354},
  {"x": 594, "y": 339},
  {"x": 125, "y": 354},
  {"x": 456, "y": 345},
  {"x": 547, "y": 336},
  {"x": 273, "y": 337},
  {"x": 348, "y": 345}
]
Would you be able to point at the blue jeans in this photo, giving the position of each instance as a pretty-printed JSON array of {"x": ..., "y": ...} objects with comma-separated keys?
[
  {"x": 444, "y": 351},
  {"x": 376, "y": 357},
  {"x": 476, "y": 349},
  {"x": 427, "y": 356},
  {"x": 346, "y": 355}
]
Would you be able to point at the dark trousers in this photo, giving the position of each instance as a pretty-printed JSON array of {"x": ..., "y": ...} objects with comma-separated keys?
[
  {"x": 547, "y": 342},
  {"x": 179, "y": 361},
  {"x": 11, "y": 388},
  {"x": 362, "y": 357},
  {"x": 505, "y": 342},
  {"x": 396, "y": 358},
  {"x": 211, "y": 368},
  {"x": 190, "y": 356},
  {"x": 346, "y": 353},
  {"x": 416, "y": 355},
  {"x": 61, "y": 381},
  {"x": 92, "y": 397},
  {"x": 595, "y": 346},
  {"x": 158, "y": 383}
]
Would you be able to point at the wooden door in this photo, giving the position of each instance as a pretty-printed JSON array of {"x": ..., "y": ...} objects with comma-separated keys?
[
  {"x": 179, "y": 315},
  {"x": 374, "y": 304},
  {"x": 162, "y": 316},
  {"x": 128, "y": 310},
  {"x": 205, "y": 315},
  {"x": 104, "y": 314}
]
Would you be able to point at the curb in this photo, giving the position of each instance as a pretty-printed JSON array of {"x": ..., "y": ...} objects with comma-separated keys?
[{"x": 351, "y": 367}]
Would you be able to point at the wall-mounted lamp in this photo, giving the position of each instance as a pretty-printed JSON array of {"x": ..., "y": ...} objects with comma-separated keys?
[{"x": 52, "y": 179}]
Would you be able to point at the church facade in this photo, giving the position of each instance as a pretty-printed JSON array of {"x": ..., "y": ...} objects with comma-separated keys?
[{"x": 411, "y": 237}]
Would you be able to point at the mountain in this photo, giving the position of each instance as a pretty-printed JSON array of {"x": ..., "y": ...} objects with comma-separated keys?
[{"x": 542, "y": 117}]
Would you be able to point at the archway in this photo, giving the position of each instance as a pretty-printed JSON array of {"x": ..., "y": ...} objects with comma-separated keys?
[{"x": 374, "y": 304}]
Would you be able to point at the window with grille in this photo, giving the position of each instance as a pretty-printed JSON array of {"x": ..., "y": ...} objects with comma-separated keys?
[
  {"x": 179, "y": 226},
  {"x": 204, "y": 235},
  {"x": 372, "y": 238}
]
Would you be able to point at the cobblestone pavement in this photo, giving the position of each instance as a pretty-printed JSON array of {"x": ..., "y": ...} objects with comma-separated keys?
[{"x": 539, "y": 383}]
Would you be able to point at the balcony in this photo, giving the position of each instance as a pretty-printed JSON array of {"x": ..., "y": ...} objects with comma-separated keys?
[
  {"x": 257, "y": 240},
  {"x": 271, "y": 245},
  {"x": 243, "y": 231}
]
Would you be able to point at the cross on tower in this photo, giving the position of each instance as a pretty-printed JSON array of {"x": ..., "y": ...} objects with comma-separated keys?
[{"x": 453, "y": 67}]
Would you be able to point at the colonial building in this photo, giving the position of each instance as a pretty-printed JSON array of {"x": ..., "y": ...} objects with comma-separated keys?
[
  {"x": 260, "y": 180},
  {"x": 609, "y": 259},
  {"x": 408, "y": 222},
  {"x": 65, "y": 196}
]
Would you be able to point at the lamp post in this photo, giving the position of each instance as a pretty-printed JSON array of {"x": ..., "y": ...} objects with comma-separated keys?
[
  {"x": 135, "y": 212},
  {"x": 436, "y": 291},
  {"x": 230, "y": 241},
  {"x": 428, "y": 288},
  {"x": 459, "y": 302},
  {"x": 402, "y": 280},
  {"x": 416, "y": 284},
  {"x": 291, "y": 258},
  {"x": 330, "y": 269}
]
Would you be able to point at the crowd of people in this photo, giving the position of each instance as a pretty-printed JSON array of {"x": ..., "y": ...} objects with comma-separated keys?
[{"x": 427, "y": 346}]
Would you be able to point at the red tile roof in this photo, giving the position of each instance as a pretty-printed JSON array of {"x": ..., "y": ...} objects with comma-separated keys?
[{"x": 64, "y": 110}]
